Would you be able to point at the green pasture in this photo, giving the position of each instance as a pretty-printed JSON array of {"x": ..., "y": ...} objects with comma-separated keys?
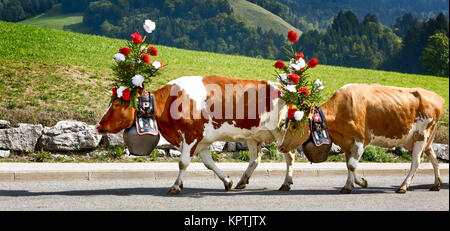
[{"x": 47, "y": 75}]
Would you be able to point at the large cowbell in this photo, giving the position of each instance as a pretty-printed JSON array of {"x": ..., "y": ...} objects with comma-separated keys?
[
  {"x": 318, "y": 146},
  {"x": 143, "y": 137}
]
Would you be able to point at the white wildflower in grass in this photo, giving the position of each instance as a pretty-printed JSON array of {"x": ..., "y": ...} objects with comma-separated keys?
[
  {"x": 119, "y": 57},
  {"x": 157, "y": 64},
  {"x": 120, "y": 91},
  {"x": 137, "y": 80},
  {"x": 290, "y": 88},
  {"x": 298, "y": 115},
  {"x": 149, "y": 26}
]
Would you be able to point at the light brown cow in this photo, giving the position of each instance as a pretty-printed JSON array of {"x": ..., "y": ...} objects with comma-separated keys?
[
  {"x": 362, "y": 114},
  {"x": 193, "y": 112}
]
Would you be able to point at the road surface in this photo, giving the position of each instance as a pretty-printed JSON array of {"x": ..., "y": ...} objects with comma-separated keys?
[{"x": 307, "y": 193}]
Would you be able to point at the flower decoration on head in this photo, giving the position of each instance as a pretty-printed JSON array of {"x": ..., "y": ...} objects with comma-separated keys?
[
  {"x": 297, "y": 90},
  {"x": 133, "y": 68}
]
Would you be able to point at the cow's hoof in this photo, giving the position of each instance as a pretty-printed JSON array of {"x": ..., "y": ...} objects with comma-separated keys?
[
  {"x": 181, "y": 186},
  {"x": 285, "y": 187},
  {"x": 240, "y": 186},
  {"x": 435, "y": 188},
  {"x": 345, "y": 191},
  {"x": 401, "y": 190},
  {"x": 174, "y": 191},
  {"x": 363, "y": 183},
  {"x": 228, "y": 186}
]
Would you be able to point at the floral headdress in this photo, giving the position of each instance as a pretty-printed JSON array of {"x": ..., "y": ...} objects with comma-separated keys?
[
  {"x": 133, "y": 67},
  {"x": 297, "y": 89}
]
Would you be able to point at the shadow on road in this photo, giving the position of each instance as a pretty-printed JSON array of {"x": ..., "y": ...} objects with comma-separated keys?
[{"x": 202, "y": 192}]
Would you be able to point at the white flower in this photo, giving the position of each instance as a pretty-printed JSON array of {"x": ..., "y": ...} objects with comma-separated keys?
[
  {"x": 319, "y": 84},
  {"x": 290, "y": 88},
  {"x": 298, "y": 115},
  {"x": 120, "y": 91},
  {"x": 296, "y": 65},
  {"x": 119, "y": 57},
  {"x": 143, "y": 48},
  {"x": 149, "y": 26},
  {"x": 137, "y": 80},
  {"x": 157, "y": 64},
  {"x": 282, "y": 78}
]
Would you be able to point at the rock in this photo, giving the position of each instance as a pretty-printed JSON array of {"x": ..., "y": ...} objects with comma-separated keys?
[
  {"x": 5, "y": 153},
  {"x": 217, "y": 146},
  {"x": 300, "y": 153},
  {"x": 69, "y": 136},
  {"x": 441, "y": 151},
  {"x": 22, "y": 138},
  {"x": 113, "y": 139},
  {"x": 335, "y": 149},
  {"x": 265, "y": 151},
  {"x": 174, "y": 153},
  {"x": 160, "y": 152},
  {"x": 164, "y": 144},
  {"x": 4, "y": 124},
  {"x": 230, "y": 146},
  {"x": 241, "y": 146}
]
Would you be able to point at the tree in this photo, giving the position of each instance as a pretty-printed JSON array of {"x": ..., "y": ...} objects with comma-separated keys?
[{"x": 435, "y": 56}]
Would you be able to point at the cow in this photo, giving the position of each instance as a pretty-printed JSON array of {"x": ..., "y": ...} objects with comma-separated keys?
[
  {"x": 194, "y": 111},
  {"x": 361, "y": 114}
]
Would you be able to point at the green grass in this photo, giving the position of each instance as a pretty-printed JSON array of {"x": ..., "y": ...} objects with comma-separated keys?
[
  {"x": 55, "y": 19},
  {"x": 257, "y": 16},
  {"x": 47, "y": 75}
]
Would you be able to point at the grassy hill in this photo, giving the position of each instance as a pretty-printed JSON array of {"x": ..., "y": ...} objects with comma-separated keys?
[
  {"x": 257, "y": 16},
  {"x": 55, "y": 19},
  {"x": 47, "y": 75}
]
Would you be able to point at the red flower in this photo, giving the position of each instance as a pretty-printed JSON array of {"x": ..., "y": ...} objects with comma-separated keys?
[
  {"x": 124, "y": 50},
  {"x": 293, "y": 78},
  {"x": 291, "y": 113},
  {"x": 313, "y": 63},
  {"x": 279, "y": 94},
  {"x": 292, "y": 36},
  {"x": 299, "y": 56},
  {"x": 304, "y": 90},
  {"x": 279, "y": 64},
  {"x": 145, "y": 58},
  {"x": 114, "y": 90},
  {"x": 136, "y": 38},
  {"x": 126, "y": 95},
  {"x": 152, "y": 51}
]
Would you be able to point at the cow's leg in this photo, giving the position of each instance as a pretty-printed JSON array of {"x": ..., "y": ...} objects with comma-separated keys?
[
  {"x": 416, "y": 154},
  {"x": 437, "y": 176},
  {"x": 205, "y": 155},
  {"x": 255, "y": 157},
  {"x": 290, "y": 157},
  {"x": 352, "y": 163},
  {"x": 183, "y": 163}
]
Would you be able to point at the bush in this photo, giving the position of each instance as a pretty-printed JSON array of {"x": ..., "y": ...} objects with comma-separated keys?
[
  {"x": 116, "y": 152},
  {"x": 41, "y": 156},
  {"x": 375, "y": 154}
]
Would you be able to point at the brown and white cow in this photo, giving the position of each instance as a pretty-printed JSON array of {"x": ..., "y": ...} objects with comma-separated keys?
[
  {"x": 362, "y": 114},
  {"x": 195, "y": 111}
]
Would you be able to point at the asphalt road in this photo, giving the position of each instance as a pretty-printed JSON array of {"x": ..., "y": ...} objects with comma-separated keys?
[{"x": 307, "y": 193}]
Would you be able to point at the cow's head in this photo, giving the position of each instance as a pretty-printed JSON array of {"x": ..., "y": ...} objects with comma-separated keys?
[
  {"x": 296, "y": 134},
  {"x": 116, "y": 118}
]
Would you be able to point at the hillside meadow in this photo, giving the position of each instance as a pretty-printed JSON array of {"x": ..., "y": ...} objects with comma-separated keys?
[{"x": 49, "y": 75}]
